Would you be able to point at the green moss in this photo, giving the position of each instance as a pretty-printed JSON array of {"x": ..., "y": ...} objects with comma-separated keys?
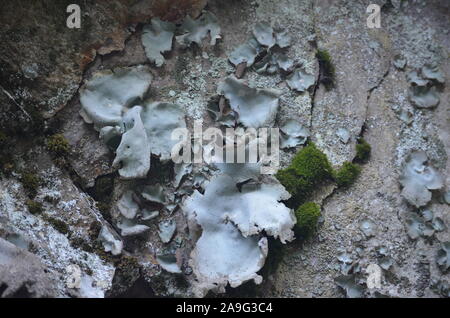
[
  {"x": 30, "y": 182},
  {"x": 347, "y": 174},
  {"x": 363, "y": 150},
  {"x": 307, "y": 216},
  {"x": 58, "y": 145},
  {"x": 327, "y": 70},
  {"x": 34, "y": 207},
  {"x": 309, "y": 169},
  {"x": 58, "y": 225}
]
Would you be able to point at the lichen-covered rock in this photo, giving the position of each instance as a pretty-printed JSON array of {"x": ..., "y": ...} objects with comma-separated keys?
[
  {"x": 424, "y": 96},
  {"x": 106, "y": 96},
  {"x": 234, "y": 227},
  {"x": 157, "y": 39},
  {"x": 160, "y": 120},
  {"x": 443, "y": 257},
  {"x": 131, "y": 228},
  {"x": 22, "y": 274},
  {"x": 264, "y": 34},
  {"x": 418, "y": 178},
  {"x": 133, "y": 153},
  {"x": 169, "y": 263},
  {"x": 293, "y": 134},
  {"x": 245, "y": 53},
  {"x": 433, "y": 73},
  {"x": 110, "y": 242},
  {"x": 300, "y": 81},
  {"x": 196, "y": 30},
  {"x": 349, "y": 285},
  {"x": 272, "y": 62},
  {"x": 154, "y": 193},
  {"x": 126, "y": 205},
  {"x": 256, "y": 107}
]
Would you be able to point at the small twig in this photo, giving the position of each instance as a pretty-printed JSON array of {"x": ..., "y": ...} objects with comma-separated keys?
[{"x": 15, "y": 102}]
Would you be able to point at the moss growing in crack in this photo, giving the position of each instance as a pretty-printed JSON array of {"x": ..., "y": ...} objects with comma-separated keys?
[
  {"x": 307, "y": 216},
  {"x": 347, "y": 174},
  {"x": 58, "y": 145},
  {"x": 362, "y": 150},
  {"x": 30, "y": 182},
  {"x": 309, "y": 168},
  {"x": 58, "y": 225},
  {"x": 327, "y": 70},
  {"x": 34, "y": 207}
]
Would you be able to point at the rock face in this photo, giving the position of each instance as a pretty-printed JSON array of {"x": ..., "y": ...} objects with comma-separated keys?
[
  {"x": 80, "y": 230},
  {"x": 22, "y": 274}
]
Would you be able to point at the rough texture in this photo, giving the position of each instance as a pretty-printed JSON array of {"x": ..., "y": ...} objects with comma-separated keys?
[{"x": 362, "y": 228}]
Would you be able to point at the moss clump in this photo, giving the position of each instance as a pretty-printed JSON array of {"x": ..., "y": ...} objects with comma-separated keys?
[
  {"x": 327, "y": 71},
  {"x": 58, "y": 145},
  {"x": 362, "y": 150},
  {"x": 307, "y": 216},
  {"x": 30, "y": 182},
  {"x": 58, "y": 225},
  {"x": 309, "y": 168},
  {"x": 34, "y": 207},
  {"x": 347, "y": 174}
]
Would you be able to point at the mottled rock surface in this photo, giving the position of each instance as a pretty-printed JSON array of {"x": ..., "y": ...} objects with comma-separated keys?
[{"x": 43, "y": 64}]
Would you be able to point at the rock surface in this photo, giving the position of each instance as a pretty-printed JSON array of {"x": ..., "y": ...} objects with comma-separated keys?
[{"x": 44, "y": 63}]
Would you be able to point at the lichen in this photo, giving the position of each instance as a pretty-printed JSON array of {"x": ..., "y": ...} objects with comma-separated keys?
[
  {"x": 108, "y": 94},
  {"x": 160, "y": 119},
  {"x": 443, "y": 257},
  {"x": 300, "y": 81},
  {"x": 133, "y": 153},
  {"x": 256, "y": 107},
  {"x": 418, "y": 177},
  {"x": 156, "y": 39},
  {"x": 235, "y": 227},
  {"x": 194, "y": 31},
  {"x": 110, "y": 242},
  {"x": 293, "y": 134}
]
